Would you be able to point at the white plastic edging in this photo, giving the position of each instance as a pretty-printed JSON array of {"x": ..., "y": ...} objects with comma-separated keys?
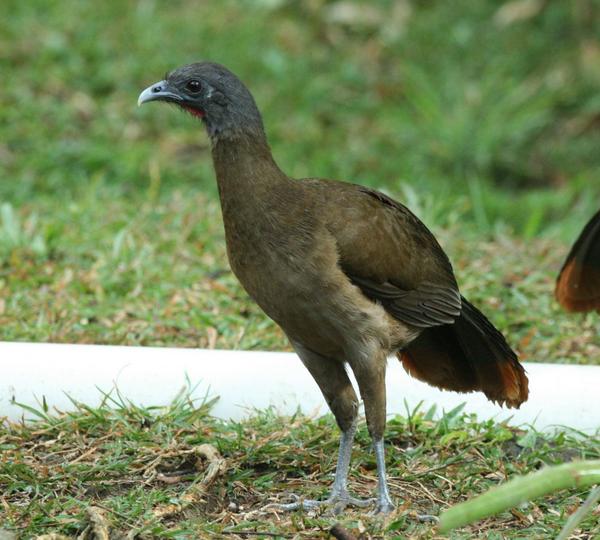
[{"x": 560, "y": 395}]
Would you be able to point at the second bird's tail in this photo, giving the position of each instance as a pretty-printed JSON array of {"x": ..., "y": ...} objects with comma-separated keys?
[
  {"x": 467, "y": 356},
  {"x": 578, "y": 284}
]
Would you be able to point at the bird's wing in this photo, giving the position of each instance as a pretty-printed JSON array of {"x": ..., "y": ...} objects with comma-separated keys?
[
  {"x": 390, "y": 255},
  {"x": 429, "y": 305}
]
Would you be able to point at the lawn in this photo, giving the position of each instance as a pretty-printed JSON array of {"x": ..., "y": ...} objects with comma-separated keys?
[
  {"x": 483, "y": 117},
  {"x": 138, "y": 467}
]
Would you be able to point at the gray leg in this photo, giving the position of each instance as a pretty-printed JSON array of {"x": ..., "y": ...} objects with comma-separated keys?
[
  {"x": 384, "y": 502},
  {"x": 339, "y": 491},
  {"x": 343, "y": 464},
  {"x": 370, "y": 375},
  {"x": 337, "y": 389}
]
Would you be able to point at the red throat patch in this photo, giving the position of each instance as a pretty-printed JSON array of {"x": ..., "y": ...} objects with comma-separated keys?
[{"x": 198, "y": 113}]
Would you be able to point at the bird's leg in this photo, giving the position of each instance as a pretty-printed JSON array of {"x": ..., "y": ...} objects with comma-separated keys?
[
  {"x": 337, "y": 389},
  {"x": 370, "y": 375},
  {"x": 384, "y": 502},
  {"x": 339, "y": 490},
  {"x": 339, "y": 497},
  {"x": 340, "y": 484}
]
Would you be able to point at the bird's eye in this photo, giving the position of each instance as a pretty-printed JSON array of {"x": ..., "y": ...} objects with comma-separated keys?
[{"x": 193, "y": 86}]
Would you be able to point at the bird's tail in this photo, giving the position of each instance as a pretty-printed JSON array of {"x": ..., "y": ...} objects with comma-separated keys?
[
  {"x": 466, "y": 356},
  {"x": 578, "y": 284}
]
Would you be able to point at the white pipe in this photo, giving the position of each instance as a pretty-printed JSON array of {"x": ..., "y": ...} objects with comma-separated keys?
[{"x": 560, "y": 395}]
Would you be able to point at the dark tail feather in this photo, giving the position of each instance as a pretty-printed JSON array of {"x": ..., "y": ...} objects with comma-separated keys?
[
  {"x": 466, "y": 356},
  {"x": 578, "y": 284}
]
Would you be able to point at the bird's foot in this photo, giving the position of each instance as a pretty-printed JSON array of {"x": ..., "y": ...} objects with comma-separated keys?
[
  {"x": 384, "y": 505},
  {"x": 336, "y": 502},
  {"x": 384, "y": 508}
]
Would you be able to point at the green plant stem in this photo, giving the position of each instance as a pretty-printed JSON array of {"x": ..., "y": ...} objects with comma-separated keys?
[{"x": 518, "y": 490}]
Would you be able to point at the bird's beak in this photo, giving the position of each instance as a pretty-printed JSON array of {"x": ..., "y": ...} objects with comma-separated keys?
[{"x": 160, "y": 91}]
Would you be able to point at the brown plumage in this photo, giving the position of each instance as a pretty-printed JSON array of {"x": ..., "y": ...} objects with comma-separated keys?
[
  {"x": 349, "y": 274},
  {"x": 578, "y": 284},
  {"x": 466, "y": 356}
]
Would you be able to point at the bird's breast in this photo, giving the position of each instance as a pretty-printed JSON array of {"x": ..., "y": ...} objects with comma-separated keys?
[{"x": 300, "y": 285}]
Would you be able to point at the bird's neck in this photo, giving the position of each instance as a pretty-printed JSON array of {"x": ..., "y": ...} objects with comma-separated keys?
[{"x": 247, "y": 175}]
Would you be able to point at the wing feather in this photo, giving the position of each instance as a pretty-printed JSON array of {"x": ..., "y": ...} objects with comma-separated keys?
[{"x": 388, "y": 253}]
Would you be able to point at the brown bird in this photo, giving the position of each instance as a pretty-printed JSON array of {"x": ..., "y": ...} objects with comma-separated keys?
[
  {"x": 578, "y": 284},
  {"x": 349, "y": 274}
]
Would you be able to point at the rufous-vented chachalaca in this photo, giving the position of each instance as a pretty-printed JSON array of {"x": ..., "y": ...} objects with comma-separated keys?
[
  {"x": 349, "y": 274},
  {"x": 578, "y": 284}
]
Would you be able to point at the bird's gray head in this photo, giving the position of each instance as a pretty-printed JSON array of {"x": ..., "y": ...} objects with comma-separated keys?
[{"x": 211, "y": 92}]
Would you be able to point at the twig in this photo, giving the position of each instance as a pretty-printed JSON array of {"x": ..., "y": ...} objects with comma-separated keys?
[
  {"x": 257, "y": 533},
  {"x": 124, "y": 517},
  {"x": 216, "y": 467},
  {"x": 457, "y": 460},
  {"x": 98, "y": 527},
  {"x": 81, "y": 457}
]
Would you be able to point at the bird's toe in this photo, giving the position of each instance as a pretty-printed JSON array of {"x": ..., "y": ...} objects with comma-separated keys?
[
  {"x": 359, "y": 503},
  {"x": 336, "y": 503}
]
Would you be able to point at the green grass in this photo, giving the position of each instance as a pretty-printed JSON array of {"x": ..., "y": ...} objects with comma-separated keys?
[
  {"x": 130, "y": 461},
  {"x": 157, "y": 274},
  {"x": 109, "y": 230},
  {"x": 484, "y": 123},
  {"x": 502, "y": 113}
]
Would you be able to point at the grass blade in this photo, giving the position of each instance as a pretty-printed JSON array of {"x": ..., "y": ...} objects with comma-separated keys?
[{"x": 579, "y": 514}]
